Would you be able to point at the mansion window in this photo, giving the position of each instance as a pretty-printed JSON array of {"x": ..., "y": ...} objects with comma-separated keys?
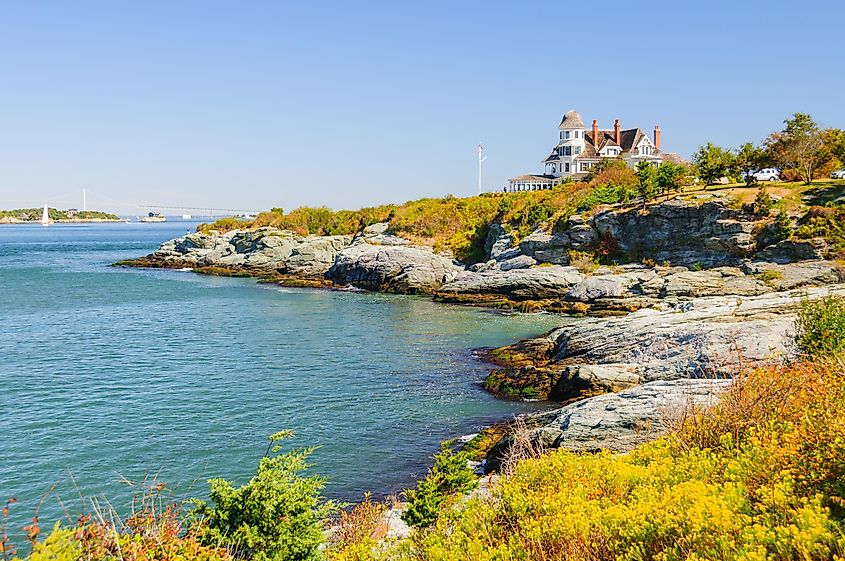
[
  {"x": 585, "y": 166},
  {"x": 566, "y": 134},
  {"x": 566, "y": 168},
  {"x": 566, "y": 150},
  {"x": 577, "y": 150},
  {"x": 576, "y": 134}
]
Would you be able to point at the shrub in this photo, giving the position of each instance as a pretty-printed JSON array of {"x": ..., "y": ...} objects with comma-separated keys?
[
  {"x": 450, "y": 474},
  {"x": 584, "y": 261},
  {"x": 226, "y": 224},
  {"x": 358, "y": 531},
  {"x": 769, "y": 276},
  {"x": 608, "y": 194},
  {"x": 763, "y": 202},
  {"x": 277, "y": 516},
  {"x": 820, "y": 327},
  {"x": 624, "y": 176},
  {"x": 758, "y": 477},
  {"x": 155, "y": 531},
  {"x": 605, "y": 165},
  {"x": 827, "y": 223},
  {"x": 782, "y": 226}
]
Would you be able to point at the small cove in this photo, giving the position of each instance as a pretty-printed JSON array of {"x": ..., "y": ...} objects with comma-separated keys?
[{"x": 113, "y": 373}]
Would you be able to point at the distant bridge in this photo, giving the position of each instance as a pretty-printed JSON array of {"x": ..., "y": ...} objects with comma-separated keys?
[
  {"x": 201, "y": 210},
  {"x": 72, "y": 200}
]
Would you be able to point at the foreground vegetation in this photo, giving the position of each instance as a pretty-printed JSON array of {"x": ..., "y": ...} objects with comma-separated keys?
[{"x": 758, "y": 476}]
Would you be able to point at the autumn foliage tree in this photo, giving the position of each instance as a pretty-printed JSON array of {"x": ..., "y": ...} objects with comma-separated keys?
[{"x": 800, "y": 145}]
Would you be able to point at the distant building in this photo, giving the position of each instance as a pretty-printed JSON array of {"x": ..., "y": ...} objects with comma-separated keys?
[
  {"x": 71, "y": 212},
  {"x": 579, "y": 148}
]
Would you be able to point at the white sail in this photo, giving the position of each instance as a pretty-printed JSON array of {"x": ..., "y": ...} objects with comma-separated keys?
[{"x": 45, "y": 217}]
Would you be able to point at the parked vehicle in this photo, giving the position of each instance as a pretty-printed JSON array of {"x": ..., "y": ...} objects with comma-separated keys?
[
  {"x": 838, "y": 174},
  {"x": 767, "y": 174}
]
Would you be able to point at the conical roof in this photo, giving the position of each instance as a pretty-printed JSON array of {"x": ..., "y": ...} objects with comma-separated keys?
[{"x": 572, "y": 120}]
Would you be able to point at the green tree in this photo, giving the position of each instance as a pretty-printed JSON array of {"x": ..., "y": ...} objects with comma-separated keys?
[
  {"x": 669, "y": 177},
  {"x": 450, "y": 474},
  {"x": 763, "y": 202},
  {"x": 712, "y": 162},
  {"x": 277, "y": 516},
  {"x": 799, "y": 145},
  {"x": 646, "y": 181},
  {"x": 748, "y": 159},
  {"x": 782, "y": 226}
]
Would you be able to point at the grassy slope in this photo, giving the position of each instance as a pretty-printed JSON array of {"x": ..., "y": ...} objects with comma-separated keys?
[
  {"x": 449, "y": 224},
  {"x": 460, "y": 225}
]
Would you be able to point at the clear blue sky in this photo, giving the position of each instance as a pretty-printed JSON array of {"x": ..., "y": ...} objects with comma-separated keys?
[{"x": 260, "y": 104}]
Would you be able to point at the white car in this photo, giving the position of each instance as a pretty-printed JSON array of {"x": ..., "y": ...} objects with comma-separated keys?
[
  {"x": 767, "y": 174},
  {"x": 838, "y": 174}
]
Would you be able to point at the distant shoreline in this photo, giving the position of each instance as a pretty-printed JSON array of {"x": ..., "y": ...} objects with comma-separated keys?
[{"x": 7, "y": 220}]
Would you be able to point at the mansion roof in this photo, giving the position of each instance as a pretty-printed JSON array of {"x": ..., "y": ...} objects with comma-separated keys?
[
  {"x": 532, "y": 178},
  {"x": 629, "y": 138},
  {"x": 571, "y": 120}
]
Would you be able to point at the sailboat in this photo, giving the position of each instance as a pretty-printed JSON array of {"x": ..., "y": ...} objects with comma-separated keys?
[{"x": 45, "y": 217}]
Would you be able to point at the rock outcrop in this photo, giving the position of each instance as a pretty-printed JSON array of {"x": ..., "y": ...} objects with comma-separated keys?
[
  {"x": 616, "y": 421},
  {"x": 260, "y": 250},
  {"x": 657, "y": 360},
  {"x": 402, "y": 269}
]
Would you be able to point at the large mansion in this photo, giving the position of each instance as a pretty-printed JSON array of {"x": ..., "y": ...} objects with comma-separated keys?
[{"x": 579, "y": 148}]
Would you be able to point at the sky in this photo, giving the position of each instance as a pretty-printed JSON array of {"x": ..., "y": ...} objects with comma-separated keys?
[{"x": 251, "y": 105}]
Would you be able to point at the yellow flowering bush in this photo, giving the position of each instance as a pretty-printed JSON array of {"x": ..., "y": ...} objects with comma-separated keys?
[{"x": 758, "y": 477}]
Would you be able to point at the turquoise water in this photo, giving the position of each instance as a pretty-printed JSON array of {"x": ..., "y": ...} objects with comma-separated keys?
[{"x": 110, "y": 373}]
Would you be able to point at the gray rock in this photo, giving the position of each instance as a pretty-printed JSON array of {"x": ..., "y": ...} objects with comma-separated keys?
[
  {"x": 518, "y": 262},
  {"x": 518, "y": 284},
  {"x": 376, "y": 234},
  {"x": 621, "y": 421},
  {"x": 497, "y": 241},
  {"x": 262, "y": 249},
  {"x": 403, "y": 269}
]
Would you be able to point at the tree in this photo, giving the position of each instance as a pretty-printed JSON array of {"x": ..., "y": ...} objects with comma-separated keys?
[
  {"x": 834, "y": 140},
  {"x": 747, "y": 160},
  {"x": 763, "y": 202},
  {"x": 646, "y": 181},
  {"x": 712, "y": 162},
  {"x": 605, "y": 164},
  {"x": 277, "y": 516},
  {"x": 799, "y": 145},
  {"x": 669, "y": 177},
  {"x": 450, "y": 474}
]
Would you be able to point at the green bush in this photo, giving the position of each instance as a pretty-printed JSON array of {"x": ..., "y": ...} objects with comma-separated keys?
[
  {"x": 450, "y": 474},
  {"x": 608, "y": 194},
  {"x": 763, "y": 202},
  {"x": 277, "y": 516},
  {"x": 820, "y": 327},
  {"x": 782, "y": 226}
]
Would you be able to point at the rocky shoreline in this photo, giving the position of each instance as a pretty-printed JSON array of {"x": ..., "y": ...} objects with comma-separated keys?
[{"x": 699, "y": 289}]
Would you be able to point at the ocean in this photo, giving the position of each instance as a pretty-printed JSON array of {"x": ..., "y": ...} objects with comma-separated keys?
[{"x": 111, "y": 375}]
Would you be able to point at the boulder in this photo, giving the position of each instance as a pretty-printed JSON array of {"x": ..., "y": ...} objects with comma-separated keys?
[
  {"x": 518, "y": 284},
  {"x": 402, "y": 269}
]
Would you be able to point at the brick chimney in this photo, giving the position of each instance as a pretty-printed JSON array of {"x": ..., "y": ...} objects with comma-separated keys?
[
  {"x": 617, "y": 134},
  {"x": 596, "y": 133},
  {"x": 657, "y": 136}
]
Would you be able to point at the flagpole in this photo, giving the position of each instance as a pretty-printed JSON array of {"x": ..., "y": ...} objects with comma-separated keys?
[{"x": 481, "y": 158}]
